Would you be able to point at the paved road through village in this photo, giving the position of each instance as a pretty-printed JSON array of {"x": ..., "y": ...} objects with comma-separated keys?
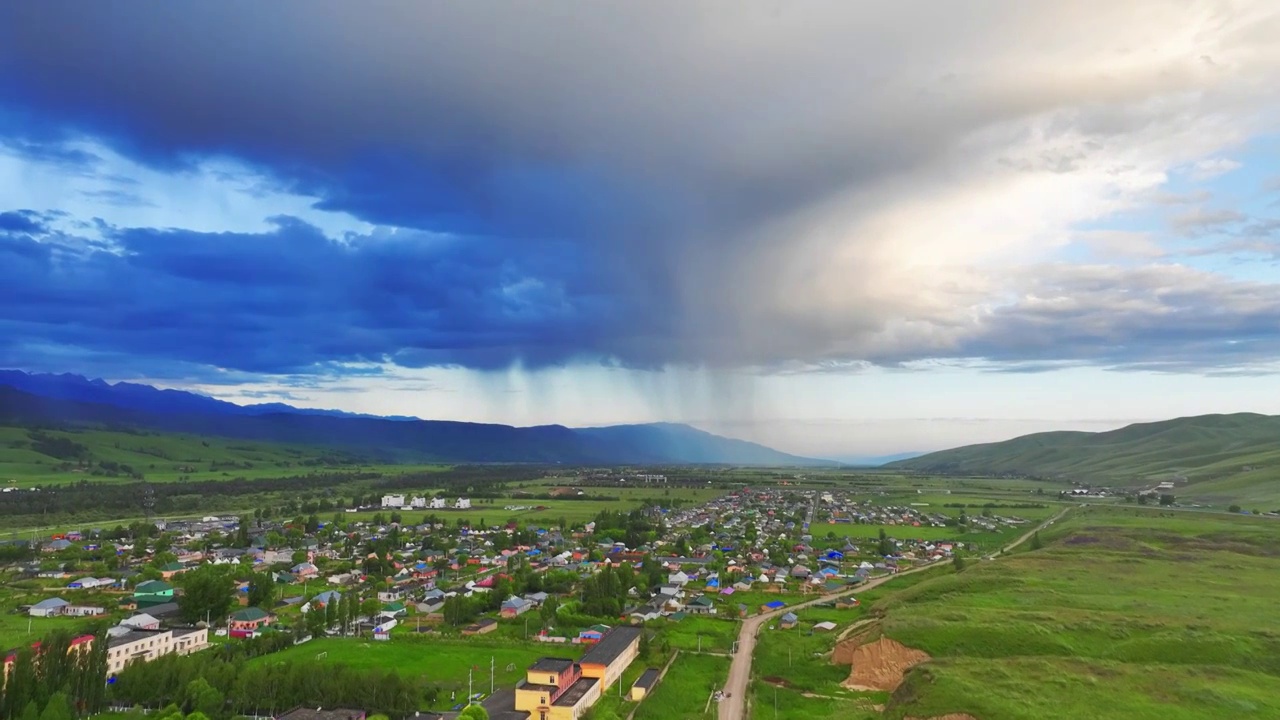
[{"x": 733, "y": 706}]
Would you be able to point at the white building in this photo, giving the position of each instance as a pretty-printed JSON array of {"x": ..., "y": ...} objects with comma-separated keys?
[
  {"x": 83, "y": 610},
  {"x": 463, "y": 504},
  {"x": 392, "y": 501},
  {"x": 437, "y": 503},
  {"x": 50, "y": 607},
  {"x": 144, "y": 646},
  {"x": 418, "y": 502}
]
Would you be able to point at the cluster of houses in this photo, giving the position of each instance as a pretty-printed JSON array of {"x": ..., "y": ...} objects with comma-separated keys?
[
  {"x": 716, "y": 558},
  {"x": 150, "y": 631}
]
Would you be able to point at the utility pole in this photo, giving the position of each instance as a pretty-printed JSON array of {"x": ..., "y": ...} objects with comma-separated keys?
[
  {"x": 469, "y": 688},
  {"x": 492, "y": 660}
]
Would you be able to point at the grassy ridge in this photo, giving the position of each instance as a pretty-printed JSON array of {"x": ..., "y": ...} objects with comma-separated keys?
[
  {"x": 157, "y": 456},
  {"x": 1124, "y": 614},
  {"x": 1225, "y": 458}
]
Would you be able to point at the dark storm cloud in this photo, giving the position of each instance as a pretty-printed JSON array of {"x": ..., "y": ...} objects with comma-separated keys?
[
  {"x": 292, "y": 299},
  {"x": 643, "y": 183},
  {"x": 22, "y": 221}
]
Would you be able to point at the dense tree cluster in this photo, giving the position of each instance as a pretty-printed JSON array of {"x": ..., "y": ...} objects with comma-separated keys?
[
  {"x": 218, "y": 687},
  {"x": 605, "y": 593},
  {"x": 55, "y": 680},
  {"x": 635, "y": 528}
]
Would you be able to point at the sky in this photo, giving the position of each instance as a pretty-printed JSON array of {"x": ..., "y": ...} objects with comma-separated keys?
[{"x": 843, "y": 229}]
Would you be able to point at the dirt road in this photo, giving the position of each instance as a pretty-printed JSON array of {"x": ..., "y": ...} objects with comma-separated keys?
[{"x": 733, "y": 706}]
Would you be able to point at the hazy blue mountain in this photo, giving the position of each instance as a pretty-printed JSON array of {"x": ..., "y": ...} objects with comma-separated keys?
[
  {"x": 140, "y": 406},
  {"x": 135, "y": 396}
]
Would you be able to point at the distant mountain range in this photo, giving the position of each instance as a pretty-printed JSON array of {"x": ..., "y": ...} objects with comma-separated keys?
[
  {"x": 31, "y": 399},
  {"x": 133, "y": 396},
  {"x": 1218, "y": 456}
]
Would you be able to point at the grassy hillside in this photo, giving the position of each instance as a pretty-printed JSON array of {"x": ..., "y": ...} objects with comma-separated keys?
[
  {"x": 30, "y": 455},
  {"x": 1222, "y": 458},
  {"x": 1124, "y": 613},
  {"x": 407, "y": 441}
]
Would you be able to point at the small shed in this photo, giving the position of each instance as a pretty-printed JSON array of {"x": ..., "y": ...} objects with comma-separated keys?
[
  {"x": 644, "y": 684},
  {"x": 788, "y": 621}
]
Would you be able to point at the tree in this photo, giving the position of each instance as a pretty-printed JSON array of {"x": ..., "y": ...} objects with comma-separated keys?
[
  {"x": 1036, "y": 542},
  {"x": 57, "y": 708},
  {"x": 261, "y": 589},
  {"x": 201, "y": 697},
  {"x": 886, "y": 545},
  {"x": 1234, "y": 509},
  {"x": 30, "y": 712},
  {"x": 1166, "y": 499},
  {"x": 548, "y": 611},
  {"x": 957, "y": 561},
  {"x": 330, "y": 614},
  {"x": 206, "y": 593},
  {"x": 474, "y": 712}
]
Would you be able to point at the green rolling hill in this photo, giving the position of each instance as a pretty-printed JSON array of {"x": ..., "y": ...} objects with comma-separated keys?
[{"x": 1217, "y": 459}]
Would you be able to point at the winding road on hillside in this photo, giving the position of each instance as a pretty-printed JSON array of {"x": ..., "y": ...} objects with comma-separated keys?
[{"x": 733, "y": 706}]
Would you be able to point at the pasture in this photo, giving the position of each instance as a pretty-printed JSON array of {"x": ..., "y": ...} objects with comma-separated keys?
[
  {"x": 1124, "y": 613},
  {"x": 792, "y": 673}
]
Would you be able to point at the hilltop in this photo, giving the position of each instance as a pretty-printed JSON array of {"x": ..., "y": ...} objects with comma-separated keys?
[{"x": 1219, "y": 458}]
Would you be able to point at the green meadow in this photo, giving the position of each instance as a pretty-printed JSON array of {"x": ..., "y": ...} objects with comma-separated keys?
[
  {"x": 166, "y": 457},
  {"x": 792, "y": 677},
  {"x": 1123, "y": 613},
  {"x": 440, "y": 661},
  {"x": 684, "y": 692}
]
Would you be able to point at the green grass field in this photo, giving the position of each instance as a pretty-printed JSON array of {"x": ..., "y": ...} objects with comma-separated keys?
[
  {"x": 683, "y": 693},
  {"x": 14, "y": 628},
  {"x": 1125, "y": 613},
  {"x": 161, "y": 457},
  {"x": 711, "y": 634},
  {"x": 792, "y": 674},
  {"x": 439, "y": 661}
]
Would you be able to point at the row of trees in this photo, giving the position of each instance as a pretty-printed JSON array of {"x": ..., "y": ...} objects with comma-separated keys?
[
  {"x": 213, "y": 686},
  {"x": 55, "y": 679}
]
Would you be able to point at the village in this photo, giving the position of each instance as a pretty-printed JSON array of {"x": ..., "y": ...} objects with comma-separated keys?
[{"x": 595, "y": 595}]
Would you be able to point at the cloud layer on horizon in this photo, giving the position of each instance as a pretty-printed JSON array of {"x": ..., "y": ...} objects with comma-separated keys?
[{"x": 805, "y": 186}]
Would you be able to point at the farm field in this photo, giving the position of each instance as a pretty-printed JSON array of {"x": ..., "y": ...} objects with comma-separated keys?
[{"x": 1124, "y": 613}]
